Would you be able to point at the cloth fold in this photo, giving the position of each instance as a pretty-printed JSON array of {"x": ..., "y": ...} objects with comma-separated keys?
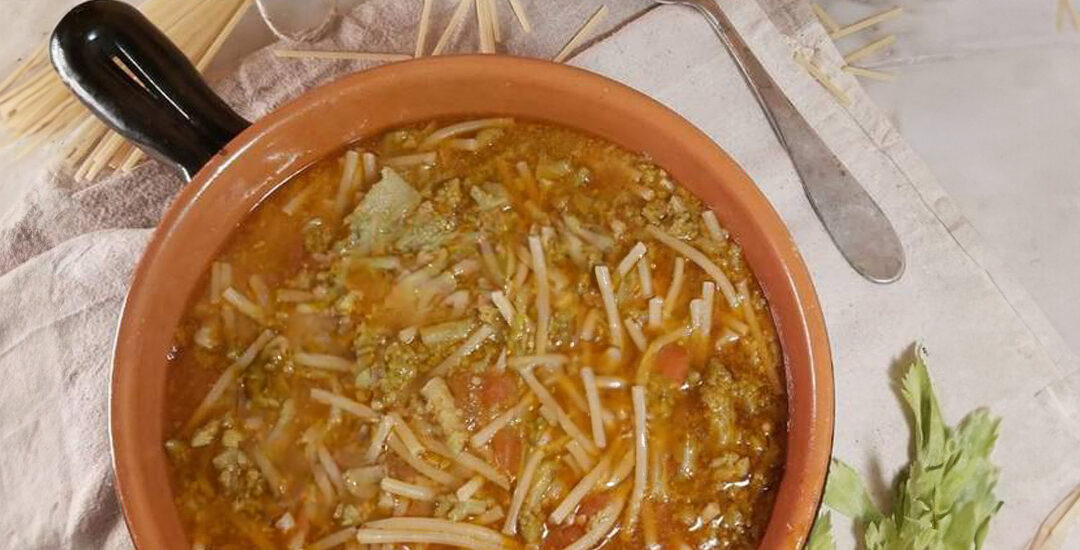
[{"x": 55, "y": 358}]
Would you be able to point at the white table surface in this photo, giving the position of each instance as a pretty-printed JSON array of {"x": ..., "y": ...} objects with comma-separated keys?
[{"x": 986, "y": 93}]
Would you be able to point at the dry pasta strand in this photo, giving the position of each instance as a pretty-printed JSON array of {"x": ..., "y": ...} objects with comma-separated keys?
[
  {"x": 1058, "y": 524},
  {"x": 37, "y": 106},
  {"x": 1074, "y": 17},
  {"x": 519, "y": 13},
  {"x": 865, "y": 23},
  {"x": 452, "y": 26},
  {"x": 869, "y": 73},
  {"x": 823, "y": 79},
  {"x": 422, "y": 29},
  {"x": 339, "y": 55},
  {"x": 483, "y": 23},
  {"x": 827, "y": 21},
  {"x": 580, "y": 35},
  {"x": 870, "y": 49},
  {"x": 223, "y": 34},
  {"x": 493, "y": 17}
]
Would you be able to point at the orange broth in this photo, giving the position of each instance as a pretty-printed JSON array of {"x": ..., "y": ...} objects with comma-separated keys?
[{"x": 358, "y": 341}]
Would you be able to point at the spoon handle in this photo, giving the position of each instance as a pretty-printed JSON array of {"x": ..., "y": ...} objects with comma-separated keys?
[{"x": 855, "y": 222}]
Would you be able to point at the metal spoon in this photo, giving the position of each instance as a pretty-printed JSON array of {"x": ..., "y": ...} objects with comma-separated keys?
[{"x": 851, "y": 217}]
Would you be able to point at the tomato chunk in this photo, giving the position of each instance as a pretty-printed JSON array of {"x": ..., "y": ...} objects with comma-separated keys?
[
  {"x": 673, "y": 361},
  {"x": 593, "y": 503},
  {"x": 507, "y": 447},
  {"x": 498, "y": 390},
  {"x": 562, "y": 536}
]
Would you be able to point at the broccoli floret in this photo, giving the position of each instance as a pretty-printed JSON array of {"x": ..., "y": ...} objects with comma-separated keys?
[
  {"x": 400, "y": 365},
  {"x": 449, "y": 196},
  {"x": 428, "y": 230},
  {"x": 531, "y": 527},
  {"x": 317, "y": 236}
]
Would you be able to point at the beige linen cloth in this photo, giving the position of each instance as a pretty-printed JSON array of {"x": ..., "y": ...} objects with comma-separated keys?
[{"x": 66, "y": 254}]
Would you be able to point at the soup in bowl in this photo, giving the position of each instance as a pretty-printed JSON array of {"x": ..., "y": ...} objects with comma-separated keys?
[
  {"x": 473, "y": 301},
  {"x": 488, "y": 333}
]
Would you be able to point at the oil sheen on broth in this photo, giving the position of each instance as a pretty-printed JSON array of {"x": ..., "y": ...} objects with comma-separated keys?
[{"x": 488, "y": 334}]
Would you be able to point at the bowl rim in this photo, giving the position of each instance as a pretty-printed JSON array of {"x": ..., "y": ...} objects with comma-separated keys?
[{"x": 274, "y": 149}]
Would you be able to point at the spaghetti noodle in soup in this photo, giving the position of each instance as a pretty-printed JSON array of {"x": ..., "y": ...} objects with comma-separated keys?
[{"x": 484, "y": 334}]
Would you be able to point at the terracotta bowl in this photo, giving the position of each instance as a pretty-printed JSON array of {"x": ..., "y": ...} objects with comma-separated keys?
[{"x": 323, "y": 121}]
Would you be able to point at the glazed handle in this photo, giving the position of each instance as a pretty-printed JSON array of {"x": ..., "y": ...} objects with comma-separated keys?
[{"x": 140, "y": 84}]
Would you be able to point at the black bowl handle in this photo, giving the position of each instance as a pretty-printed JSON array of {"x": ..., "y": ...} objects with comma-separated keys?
[{"x": 140, "y": 84}]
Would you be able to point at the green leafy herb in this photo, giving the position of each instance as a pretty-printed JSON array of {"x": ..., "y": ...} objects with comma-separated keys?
[
  {"x": 944, "y": 499},
  {"x": 821, "y": 535}
]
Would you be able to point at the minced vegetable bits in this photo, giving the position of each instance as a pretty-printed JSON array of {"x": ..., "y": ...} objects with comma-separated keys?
[{"x": 483, "y": 334}]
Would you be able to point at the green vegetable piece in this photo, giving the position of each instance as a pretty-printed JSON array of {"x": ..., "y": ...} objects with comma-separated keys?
[
  {"x": 845, "y": 493},
  {"x": 427, "y": 230},
  {"x": 380, "y": 216},
  {"x": 490, "y": 197},
  {"x": 206, "y": 435},
  {"x": 944, "y": 499},
  {"x": 821, "y": 535},
  {"x": 232, "y": 438}
]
